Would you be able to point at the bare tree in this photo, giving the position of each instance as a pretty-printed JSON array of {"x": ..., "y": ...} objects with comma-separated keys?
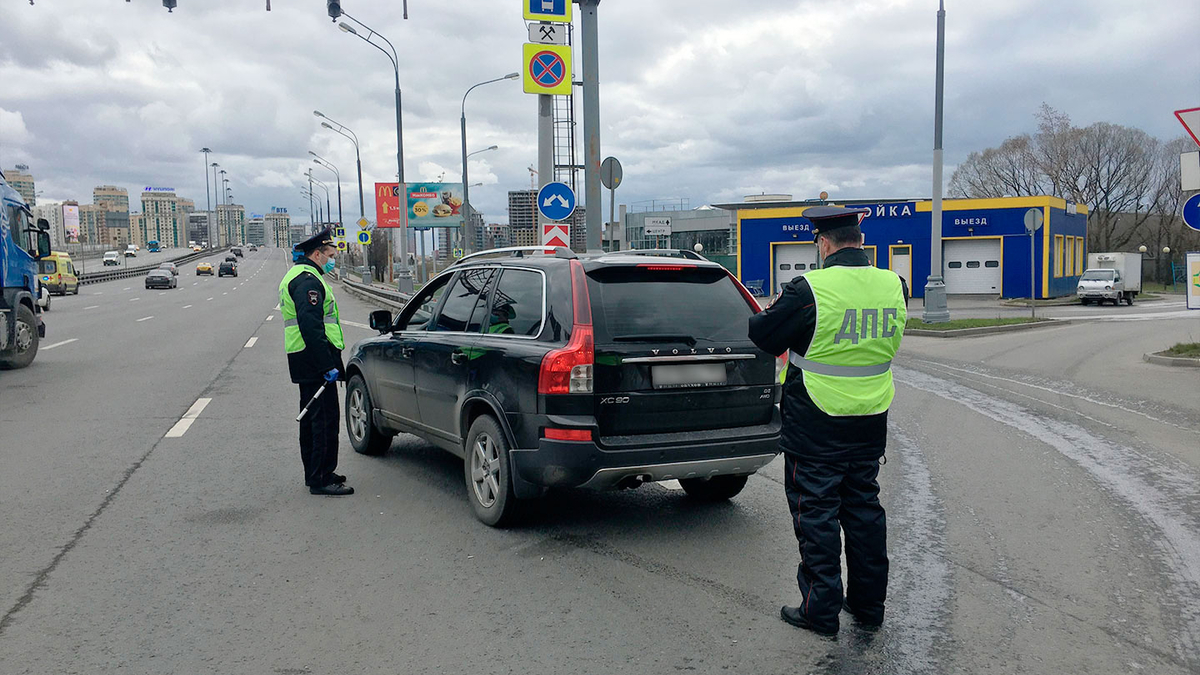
[{"x": 1010, "y": 170}]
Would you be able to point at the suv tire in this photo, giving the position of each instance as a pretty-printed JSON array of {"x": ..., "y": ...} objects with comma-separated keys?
[
  {"x": 715, "y": 489},
  {"x": 365, "y": 437},
  {"x": 487, "y": 472}
]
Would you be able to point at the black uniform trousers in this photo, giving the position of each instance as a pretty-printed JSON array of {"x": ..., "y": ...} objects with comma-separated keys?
[
  {"x": 319, "y": 433},
  {"x": 825, "y": 497}
]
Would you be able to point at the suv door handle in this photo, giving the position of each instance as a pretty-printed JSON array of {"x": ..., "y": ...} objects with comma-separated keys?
[
  {"x": 458, "y": 358},
  {"x": 407, "y": 352}
]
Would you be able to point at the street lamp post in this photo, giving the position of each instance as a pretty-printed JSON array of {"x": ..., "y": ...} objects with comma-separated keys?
[
  {"x": 319, "y": 160},
  {"x": 466, "y": 187},
  {"x": 328, "y": 210},
  {"x": 207, "y": 203},
  {"x": 405, "y": 275},
  {"x": 936, "y": 310},
  {"x": 345, "y": 131},
  {"x": 463, "y": 130}
]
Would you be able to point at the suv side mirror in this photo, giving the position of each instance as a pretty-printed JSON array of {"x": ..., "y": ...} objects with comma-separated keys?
[{"x": 381, "y": 320}]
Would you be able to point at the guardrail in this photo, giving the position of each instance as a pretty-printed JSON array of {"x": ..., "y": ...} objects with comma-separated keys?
[
  {"x": 127, "y": 272},
  {"x": 391, "y": 299}
]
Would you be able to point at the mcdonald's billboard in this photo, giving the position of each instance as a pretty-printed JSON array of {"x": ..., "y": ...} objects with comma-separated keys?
[{"x": 388, "y": 212}]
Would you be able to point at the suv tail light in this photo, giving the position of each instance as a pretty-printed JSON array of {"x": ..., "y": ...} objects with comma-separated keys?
[
  {"x": 567, "y": 434},
  {"x": 750, "y": 299},
  {"x": 569, "y": 370}
]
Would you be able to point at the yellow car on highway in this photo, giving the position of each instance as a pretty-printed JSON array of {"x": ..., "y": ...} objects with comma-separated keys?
[{"x": 204, "y": 268}]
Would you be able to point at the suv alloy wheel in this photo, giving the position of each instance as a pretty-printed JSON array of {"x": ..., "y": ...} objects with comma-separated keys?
[
  {"x": 365, "y": 438},
  {"x": 487, "y": 472}
]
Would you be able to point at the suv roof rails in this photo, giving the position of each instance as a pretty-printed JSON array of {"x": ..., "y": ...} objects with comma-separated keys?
[
  {"x": 518, "y": 252},
  {"x": 661, "y": 252}
]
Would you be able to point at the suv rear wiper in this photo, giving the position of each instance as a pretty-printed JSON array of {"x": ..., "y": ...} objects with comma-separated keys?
[{"x": 656, "y": 337}]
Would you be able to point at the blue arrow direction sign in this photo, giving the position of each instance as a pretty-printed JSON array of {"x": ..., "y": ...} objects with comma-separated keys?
[
  {"x": 1191, "y": 211},
  {"x": 364, "y": 237},
  {"x": 556, "y": 201}
]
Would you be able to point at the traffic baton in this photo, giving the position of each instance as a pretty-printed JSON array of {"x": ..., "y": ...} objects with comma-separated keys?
[{"x": 312, "y": 400}]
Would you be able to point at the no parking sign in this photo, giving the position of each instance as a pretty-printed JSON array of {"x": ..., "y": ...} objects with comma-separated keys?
[{"x": 547, "y": 69}]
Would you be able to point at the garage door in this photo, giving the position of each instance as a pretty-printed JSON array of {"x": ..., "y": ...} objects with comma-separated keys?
[
  {"x": 791, "y": 261},
  {"x": 973, "y": 266}
]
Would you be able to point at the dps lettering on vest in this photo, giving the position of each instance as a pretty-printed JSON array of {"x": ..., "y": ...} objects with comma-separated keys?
[
  {"x": 293, "y": 341},
  {"x": 860, "y": 321}
]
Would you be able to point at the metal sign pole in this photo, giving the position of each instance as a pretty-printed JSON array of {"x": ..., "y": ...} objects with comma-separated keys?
[
  {"x": 591, "y": 121},
  {"x": 1032, "y": 287}
]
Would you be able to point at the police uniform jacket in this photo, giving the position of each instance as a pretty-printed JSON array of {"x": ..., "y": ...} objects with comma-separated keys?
[
  {"x": 318, "y": 356},
  {"x": 808, "y": 432}
]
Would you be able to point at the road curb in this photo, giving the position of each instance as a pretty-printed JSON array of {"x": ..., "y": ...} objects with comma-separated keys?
[
  {"x": 1179, "y": 361},
  {"x": 986, "y": 330}
]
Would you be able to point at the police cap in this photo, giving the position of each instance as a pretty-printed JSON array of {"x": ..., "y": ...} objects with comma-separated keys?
[
  {"x": 826, "y": 218},
  {"x": 322, "y": 238}
]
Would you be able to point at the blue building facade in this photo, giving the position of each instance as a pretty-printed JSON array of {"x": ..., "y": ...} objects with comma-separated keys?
[{"x": 985, "y": 247}]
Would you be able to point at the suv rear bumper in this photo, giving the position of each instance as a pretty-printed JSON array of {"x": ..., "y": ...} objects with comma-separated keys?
[{"x": 692, "y": 455}]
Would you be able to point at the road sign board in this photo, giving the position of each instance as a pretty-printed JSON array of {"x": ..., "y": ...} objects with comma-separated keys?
[
  {"x": 548, "y": 33},
  {"x": 1189, "y": 171},
  {"x": 364, "y": 237},
  {"x": 388, "y": 212},
  {"x": 1033, "y": 220},
  {"x": 556, "y": 234},
  {"x": 1190, "y": 119},
  {"x": 1191, "y": 212},
  {"x": 547, "y": 10},
  {"x": 363, "y": 223},
  {"x": 658, "y": 226},
  {"x": 547, "y": 69},
  {"x": 339, "y": 232},
  {"x": 556, "y": 201},
  {"x": 341, "y": 244},
  {"x": 457, "y": 253},
  {"x": 611, "y": 173}
]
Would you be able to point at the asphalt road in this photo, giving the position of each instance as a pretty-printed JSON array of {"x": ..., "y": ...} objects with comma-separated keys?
[
  {"x": 1041, "y": 489},
  {"x": 143, "y": 258}
]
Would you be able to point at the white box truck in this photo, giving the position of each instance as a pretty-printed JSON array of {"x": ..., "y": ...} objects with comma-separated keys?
[{"x": 1111, "y": 276}]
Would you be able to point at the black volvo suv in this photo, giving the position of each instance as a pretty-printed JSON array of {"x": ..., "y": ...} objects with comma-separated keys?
[{"x": 602, "y": 371}]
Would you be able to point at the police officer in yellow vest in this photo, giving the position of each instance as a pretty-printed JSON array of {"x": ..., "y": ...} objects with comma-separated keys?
[
  {"x": 842, "y": 324},
  {"x": 312, "y": 335}
]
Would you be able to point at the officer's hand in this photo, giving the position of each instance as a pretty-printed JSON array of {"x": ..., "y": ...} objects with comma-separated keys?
[{"x": 332, "y": 375}]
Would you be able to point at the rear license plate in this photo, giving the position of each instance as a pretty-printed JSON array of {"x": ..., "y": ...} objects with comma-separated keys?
[{"x": 690, "y": 375}]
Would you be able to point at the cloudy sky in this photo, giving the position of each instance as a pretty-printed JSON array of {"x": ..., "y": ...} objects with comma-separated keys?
[{"x": 704, "y": 100}]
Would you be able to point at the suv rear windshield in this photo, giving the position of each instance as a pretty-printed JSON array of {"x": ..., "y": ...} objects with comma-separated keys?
[
  {"x": 47, "y": 267},
  {"x": 647, "y": 304}
]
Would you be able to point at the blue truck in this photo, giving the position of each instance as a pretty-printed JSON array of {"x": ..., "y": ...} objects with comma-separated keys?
[{"x": 22, "y": 243}]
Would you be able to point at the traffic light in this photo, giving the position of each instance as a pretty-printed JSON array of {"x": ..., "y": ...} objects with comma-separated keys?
[
  {"x": 169, "y": 4},
  {"x": 335, "y": 8}
]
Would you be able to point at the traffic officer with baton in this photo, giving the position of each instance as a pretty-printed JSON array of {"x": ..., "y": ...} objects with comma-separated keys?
[
  {"x": 842, "y": 325},
  {"x": 312, "y": 337}
]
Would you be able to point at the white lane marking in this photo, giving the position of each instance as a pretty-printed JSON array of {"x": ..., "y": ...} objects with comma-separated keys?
[
  {"x": 356, "y": 324},
  {"x": 190, "y": 416},
  {"x": 145, "y": 318},
  {"x": 163, "y": 293},
  {"x": 91, "y": 307},
  {"x": 250, "y": 342},
  {"x": 98, "y": 293},
  {"x": 210, "y": 298},
  {"x": 126, "y": 288},
  {"x": 270, "y": 316},
  {"x": 670, "y": 484},
  {"x": 59, "y": 344},
  {"x": 186, "y": 306},
  {"x": 195, "y": 283},
  {"x": 276, "y": 307},
  {"x": 134, "y": 299},
  {"x": 225, "y": 293}
]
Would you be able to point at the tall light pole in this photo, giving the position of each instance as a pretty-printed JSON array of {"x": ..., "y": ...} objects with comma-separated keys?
[
  {"x": 315, "y": 199},
  {"x": 466, "y": 187},
  {"x": 321, "y": 161},
  {"x": 207, "y": 203},
  {"x": 463, "y": 129},
  {"x": 405, "y": 275},
  {"x": 224, "y": 180},
  {"x": 936, "y": 310},
  {"x": 324, "y": 187},
  {"x": 345, "y": 131}
]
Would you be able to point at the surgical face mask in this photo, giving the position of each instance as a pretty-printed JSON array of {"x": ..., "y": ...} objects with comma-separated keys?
[{"x": 328, "y": 266}]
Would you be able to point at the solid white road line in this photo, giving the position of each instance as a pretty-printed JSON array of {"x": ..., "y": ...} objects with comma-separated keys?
[
  {"x": 91, "y": 307},
  {"x": 98, "y": 293},
  {"x": 126, "y": 288},
  {"x": 190, "y": 416},
  {"x": 250, "y": 342},
  {"x": 186, "y": 306},
  {"x": 163, "y": 293},
  {"x": 356, "y": 324},
  {"x": 145, "y": 318},
  {"x": 134, "y": 299},
  {"x": 59, "y": 344},
  {"x": 270, "y": 316}
]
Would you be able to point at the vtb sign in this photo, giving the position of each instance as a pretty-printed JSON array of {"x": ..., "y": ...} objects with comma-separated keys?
[{"x": 388, "y": 212}]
